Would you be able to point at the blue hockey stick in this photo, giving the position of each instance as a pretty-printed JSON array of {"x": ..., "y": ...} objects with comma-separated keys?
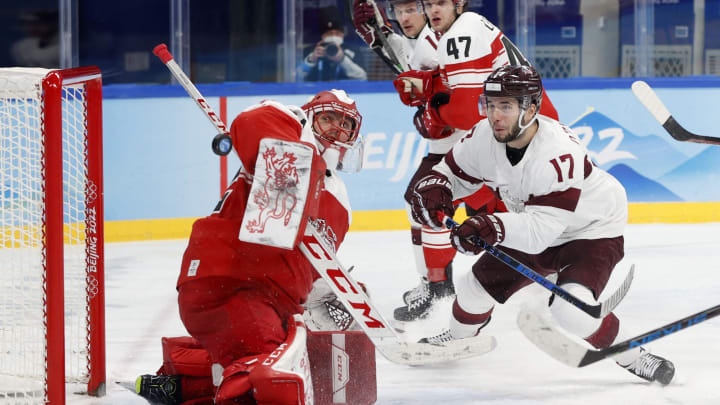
[{"x": 596, "y": 311}]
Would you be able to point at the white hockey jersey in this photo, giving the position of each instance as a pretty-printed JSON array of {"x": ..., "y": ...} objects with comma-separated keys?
[
  {"x": 471, "y": 49},
  {"x": 554, "y": 194},
  {"x": 424, "y": 53}
]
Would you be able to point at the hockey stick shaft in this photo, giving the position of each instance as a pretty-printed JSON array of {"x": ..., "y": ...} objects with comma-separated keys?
[
  {"x": 655, "y": 106},
  {"x": 162, "y": 52},
  {"x": 385, "y": 52},
  {"x": 596, "y": 311},
  {"x": 650, "y": 336},
  {"x": 398, "y": 66},
  {"x": 547, "y": 337}
]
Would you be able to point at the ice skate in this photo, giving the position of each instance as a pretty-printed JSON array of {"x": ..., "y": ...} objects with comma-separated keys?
[
  {"x": 447, "y": 335},
  {"x": 419, "y": 300},
  {"x": 159, "y": 389},
  {"x": 651, "y": 368}
]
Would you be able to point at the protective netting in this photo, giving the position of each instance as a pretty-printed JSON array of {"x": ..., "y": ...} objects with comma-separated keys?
[
  {"x": 667, "y": 60},
  {"x": 557, "y": 61},
  {"x": 22, "y": 251}
]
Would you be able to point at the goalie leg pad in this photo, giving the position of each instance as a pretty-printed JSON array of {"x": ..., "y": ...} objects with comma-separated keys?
[
  {"x": 184, "y": 355},
  {"x": 283, "y": 378},
  {"x": 343, "y": 368},
  {"x": 235, "y": 382}
]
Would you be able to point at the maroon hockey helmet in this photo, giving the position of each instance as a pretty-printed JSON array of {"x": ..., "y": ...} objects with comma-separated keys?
[{"x": 518, "y": 81}]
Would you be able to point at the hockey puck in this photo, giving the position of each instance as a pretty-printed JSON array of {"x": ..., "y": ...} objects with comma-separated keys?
[{"x": 222, "y": 144}]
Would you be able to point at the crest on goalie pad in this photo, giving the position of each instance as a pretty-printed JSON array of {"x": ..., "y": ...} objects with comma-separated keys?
[{"x": 283, "y": 194}]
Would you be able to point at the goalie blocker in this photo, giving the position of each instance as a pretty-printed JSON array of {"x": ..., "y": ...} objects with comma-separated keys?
[{"x": 284, "y": 193}]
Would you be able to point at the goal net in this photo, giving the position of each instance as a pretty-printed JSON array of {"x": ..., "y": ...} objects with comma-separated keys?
[{"x": 51, "y": 234}]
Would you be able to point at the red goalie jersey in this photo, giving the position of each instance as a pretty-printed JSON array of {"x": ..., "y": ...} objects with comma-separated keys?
[{"x": 214, "y": 249}]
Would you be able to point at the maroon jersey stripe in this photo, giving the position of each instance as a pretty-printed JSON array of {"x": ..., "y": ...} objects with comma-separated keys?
[
  {"x": 565, "y": 200},
  {"x": 450, "y": 160}
]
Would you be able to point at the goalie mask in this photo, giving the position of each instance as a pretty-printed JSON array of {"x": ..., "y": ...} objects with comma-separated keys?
[{"x": 335, "y": 123}]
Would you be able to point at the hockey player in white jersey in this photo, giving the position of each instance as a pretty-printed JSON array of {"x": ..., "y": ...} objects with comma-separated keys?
[
  {"x": 448, "y": 92},
  {"x": 416, "y": 48},
  {"x": 566, "y": 216}
]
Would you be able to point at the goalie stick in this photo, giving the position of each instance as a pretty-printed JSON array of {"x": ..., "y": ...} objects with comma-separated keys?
[
  {"x": 561, "y": 347},
  {"x": 325, "y": 262},
  {"x": 596, "y": 311},
  {"x": 222, "y": 143},
  {"x": 651, "y": 101}
]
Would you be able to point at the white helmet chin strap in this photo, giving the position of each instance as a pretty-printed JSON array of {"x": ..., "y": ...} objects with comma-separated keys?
[
  {"x": 331, "y": 157},
  {"x": 520, "y": 124}
]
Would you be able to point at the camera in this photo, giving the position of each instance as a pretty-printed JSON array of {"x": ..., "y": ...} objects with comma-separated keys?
[{"x": 330, "y": 48}]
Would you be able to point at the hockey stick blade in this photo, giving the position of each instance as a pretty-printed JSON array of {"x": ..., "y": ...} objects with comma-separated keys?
[
  {"x": 543, "y": 334},
  {"x": 600, "y": 310},
  {"x": 652, "y": 103},
  {"x": 419, "y": 354},
  {"x": 322, "y": 257}
]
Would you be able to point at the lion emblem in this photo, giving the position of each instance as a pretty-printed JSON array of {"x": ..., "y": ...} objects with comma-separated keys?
[{"x": 278, "y": 197}]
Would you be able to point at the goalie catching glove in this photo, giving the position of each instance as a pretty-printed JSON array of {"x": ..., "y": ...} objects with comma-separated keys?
[
  {"x": 363, "y": 15},
  {"x": 431, "y": 194},
  {"x": 489, "y": 228}
]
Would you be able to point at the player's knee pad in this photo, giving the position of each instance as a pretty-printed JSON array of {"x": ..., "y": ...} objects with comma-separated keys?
[
  {"x": 571, "y": 317},
  {"x": 471, "y": 296},
  {"x": 283, "y": 378}
]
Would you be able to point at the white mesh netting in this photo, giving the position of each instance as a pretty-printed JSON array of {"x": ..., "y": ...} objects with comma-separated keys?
[{"x": 22, "y": 312}]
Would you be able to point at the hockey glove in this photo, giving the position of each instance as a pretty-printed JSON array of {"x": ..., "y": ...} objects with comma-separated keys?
[
  {"x": 489, "y": 228},
  {"x": 429, "y": 124},
  {"x": 432, "y": 194},
  {"x": 415, "y": 87},
  {"x": 363, "y": 15}
]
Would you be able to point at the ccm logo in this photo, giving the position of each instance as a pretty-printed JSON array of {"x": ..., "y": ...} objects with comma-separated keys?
[{"x": 275, "y": 355}]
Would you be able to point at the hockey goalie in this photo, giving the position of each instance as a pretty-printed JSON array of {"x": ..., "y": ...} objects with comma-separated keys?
[{"x": 244, "y": 285}]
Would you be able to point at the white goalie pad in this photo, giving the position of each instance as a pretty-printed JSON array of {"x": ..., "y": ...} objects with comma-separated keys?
[{"x": 275, "y": 212}]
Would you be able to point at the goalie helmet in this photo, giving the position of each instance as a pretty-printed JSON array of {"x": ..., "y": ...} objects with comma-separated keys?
[{"x": 335, "y": 122}]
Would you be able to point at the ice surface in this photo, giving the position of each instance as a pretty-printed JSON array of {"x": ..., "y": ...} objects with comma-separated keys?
[{"x": 677, "y": 274}]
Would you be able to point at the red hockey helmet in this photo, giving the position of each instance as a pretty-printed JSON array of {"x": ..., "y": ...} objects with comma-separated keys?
[
  {"x": 340, "y": 126},
  {"x": 518, "y": 81}
]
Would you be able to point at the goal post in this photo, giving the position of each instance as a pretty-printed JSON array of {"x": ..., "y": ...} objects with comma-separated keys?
[{"x": 51, "y": 234}]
